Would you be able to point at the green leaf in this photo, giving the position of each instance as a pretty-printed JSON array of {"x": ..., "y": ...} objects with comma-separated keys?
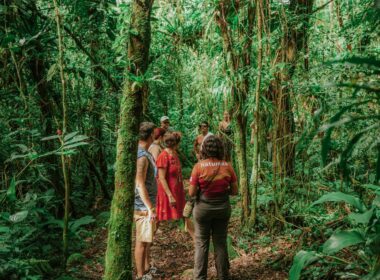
[
  {"x": 75, "y": 225},
  {"x": 341, "y": 197},
  {"x": 52, "y": 221},
  {"x": 341, "y": 240},
  {"x": 133, "y": 31},
  {"x": 300, "y": 261},
  {"x": 374, "y": 244},
  {"x": 51, "y": 72},
  {"x": 66, "y": 152},
  {"x": 11, "y": 192},
  {"x": 50, "y": 137},
  {"x": 334, "y": 122},
  {"x": 373, "y": 187},
  {"x": 69, "y": 136},
  {"x": 68, "y": 147},
  {"x": 19, "y": 216},
  {"x": 376, "y": 201},
  {"x": 76, "y": 139},
  {"x": 361, "y": 218},
  {"x": 4, "y": 229},
  {"x": 16, "y": 156}
]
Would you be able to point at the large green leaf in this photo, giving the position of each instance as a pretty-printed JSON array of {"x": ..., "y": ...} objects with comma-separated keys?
[
  {"x": 341, "y": 197},
  {"x": 300, "y": 261},
  {"x": 19, "y": 216},
  {"x": 75, "y": 225},
  {"x": 341, "y": 240},
  {"x": 361, "y": 218},
  {"x": 373, "y": 187}
]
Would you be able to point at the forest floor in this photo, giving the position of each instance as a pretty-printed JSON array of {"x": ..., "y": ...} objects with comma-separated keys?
[
  {"x": 265, "y": 256},
  {"x": 173, "y": 254}
]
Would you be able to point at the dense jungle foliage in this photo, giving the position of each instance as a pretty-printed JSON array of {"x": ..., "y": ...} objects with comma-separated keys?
[{"x": 300, "y": 79}]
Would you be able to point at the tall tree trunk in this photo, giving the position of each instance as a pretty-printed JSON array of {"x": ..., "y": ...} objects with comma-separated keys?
[
  {"x": 293, "y": 42},
  {"x": 256, "y": 127},
  {"x": 65, "y": 165},
  {"x": 239, "y": 93},
  {"x": 118, "y": 263}
]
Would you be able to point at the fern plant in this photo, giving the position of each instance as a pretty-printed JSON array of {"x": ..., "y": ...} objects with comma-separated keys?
[{"x": 363, "y": 234}]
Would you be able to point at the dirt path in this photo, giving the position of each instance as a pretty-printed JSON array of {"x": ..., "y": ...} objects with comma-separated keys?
[{"x": 173, "y": 254}]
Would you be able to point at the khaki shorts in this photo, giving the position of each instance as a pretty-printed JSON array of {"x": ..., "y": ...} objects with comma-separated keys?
[{"x": 145, "y": 228}]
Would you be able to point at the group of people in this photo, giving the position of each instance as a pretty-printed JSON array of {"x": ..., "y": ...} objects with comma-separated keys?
[{"x": 160, "y": 194}]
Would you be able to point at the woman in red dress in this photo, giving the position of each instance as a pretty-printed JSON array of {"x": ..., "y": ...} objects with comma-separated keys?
[{"x": 170, "y": 192}]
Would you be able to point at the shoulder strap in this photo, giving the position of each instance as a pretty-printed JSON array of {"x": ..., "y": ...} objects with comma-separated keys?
[{"x": 208, "y": 184}]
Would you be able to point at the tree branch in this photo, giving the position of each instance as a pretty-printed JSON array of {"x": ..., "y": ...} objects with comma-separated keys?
[{"x": 79, "y": 44}]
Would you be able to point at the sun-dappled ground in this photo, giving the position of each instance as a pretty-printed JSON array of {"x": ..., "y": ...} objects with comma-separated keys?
[{"x": 173, "y": 254}]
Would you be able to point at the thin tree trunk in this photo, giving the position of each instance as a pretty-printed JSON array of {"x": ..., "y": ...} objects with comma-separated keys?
[
  {"x": 256, "y": 173},
  {"x": 65, "y": 166},
  {"x": 118, "y": 261}
]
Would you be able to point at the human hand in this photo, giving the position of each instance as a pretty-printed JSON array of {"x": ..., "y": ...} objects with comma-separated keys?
[
  {"x": 172, "y": 201},
  {"x": 152, "y": 214}
]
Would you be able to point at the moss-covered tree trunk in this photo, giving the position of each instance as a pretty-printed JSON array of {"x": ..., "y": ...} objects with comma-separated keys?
[
  {"x": 118, "y": 262},
  {"x": 280, "y": 92},
  {"x": 237, "y": 62},
  {"x": 256, "y": 127}
]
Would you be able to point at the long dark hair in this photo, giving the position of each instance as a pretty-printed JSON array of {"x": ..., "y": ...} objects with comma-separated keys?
[{"x": 212, "y": 147}]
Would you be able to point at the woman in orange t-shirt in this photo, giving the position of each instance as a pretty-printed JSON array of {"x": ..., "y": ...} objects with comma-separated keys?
[{"x": 214, "y": 180}]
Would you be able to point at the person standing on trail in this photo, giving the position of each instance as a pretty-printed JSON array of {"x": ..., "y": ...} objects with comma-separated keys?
[
  {"x": 204, "y": 129},
  {"x": 225, "y": 134},
  {"x": 145, "y": 200},
  {"x": 170, "y": 193},
  {"x": 212, "y": 181},
  {"x": 156, "y": 148},
  {"x": 165, "y": 123}
]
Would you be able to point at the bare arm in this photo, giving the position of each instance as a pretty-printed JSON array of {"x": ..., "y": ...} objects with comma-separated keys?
[
  {"x": 142, "y": 167},
  {"x": 162, "y": 178},
  {"x": 192, "y": 190},
  {"x": 195, "y": 145},
  {"x": 155, "y": 152},
  {"x": 234, "y": 189}
]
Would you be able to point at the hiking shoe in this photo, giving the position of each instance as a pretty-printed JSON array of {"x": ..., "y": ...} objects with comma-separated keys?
[
  {"x": 145, "y": 277},
  {"x": 153, "y": 270}
]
